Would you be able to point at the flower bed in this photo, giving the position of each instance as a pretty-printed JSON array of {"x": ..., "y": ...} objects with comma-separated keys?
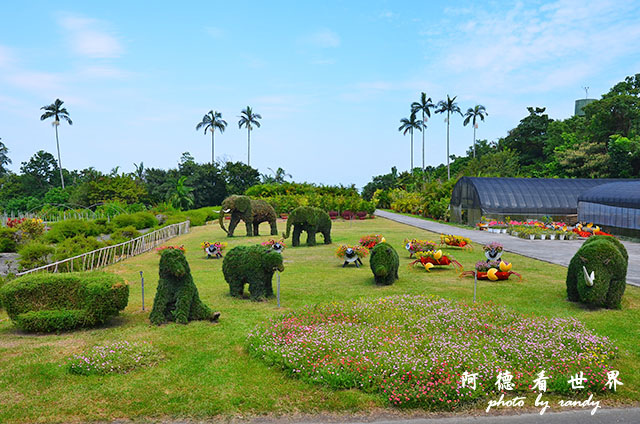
[
  {"x": 120, "y": 358},
  {"x": 413, "y": 350}
]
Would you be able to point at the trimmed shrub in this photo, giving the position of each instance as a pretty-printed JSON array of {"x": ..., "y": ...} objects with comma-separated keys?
[
  {"x": 602, "y": 257},
  {"x": 8, "y": 241},
  {"x": 384, "y": 264},
  {"x": 177, "y": 296},
  {"x": 253, "y": 265},
  {"x": 124, "y": 234},
  {"x": 75, "y": 246},
  {"x": 58, "y": 302},
  {"x": 70, "y": 228},
  {"x": 104, "y": 226},
  {"x": 34, "y": 254},
  {"x": 140, "y": 220}
]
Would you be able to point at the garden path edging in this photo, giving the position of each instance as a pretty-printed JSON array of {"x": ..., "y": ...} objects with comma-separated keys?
[{"x": 557, "y": 252}]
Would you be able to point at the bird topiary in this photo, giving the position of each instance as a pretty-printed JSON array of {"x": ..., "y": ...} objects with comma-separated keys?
[
  {"x": 597, "y": 273},
  {"x": 252, "y": 265},
  {"x": 384, "y": 264},
  {"x": 177, "y": 296}
]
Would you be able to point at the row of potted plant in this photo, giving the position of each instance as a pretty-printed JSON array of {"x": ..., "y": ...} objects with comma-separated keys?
[{"x": 525, "y": 231}]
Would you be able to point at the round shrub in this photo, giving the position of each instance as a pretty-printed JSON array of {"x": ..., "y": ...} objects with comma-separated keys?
[
  {"x": 70, "y": 228},
  {"x": 124, "y": 234},
  {"x": 47, "y": 303},
  {"x": 8, "y": 241},
  {"x": 139, "y": 220},
  {"x": 384, "y": 263}
]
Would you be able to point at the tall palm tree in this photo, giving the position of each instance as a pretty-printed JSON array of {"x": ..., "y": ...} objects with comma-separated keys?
[
  {"x": 424, "y": 106},
  {"x": 57, "y": 112},
  {"x": 472, "y": 114},
  {"x": 249, "y": 119},
  {"x": 210, "y": 122},
  {"x": 407, "y": 126},
  {"x": 450, "y": 106}
]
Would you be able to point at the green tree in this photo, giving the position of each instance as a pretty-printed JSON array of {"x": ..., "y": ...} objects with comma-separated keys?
[
  {"x": 209, "y": 186},
  {"x": 240, "y": 177},
  {"x": 4, "y": 159},
  {"x": 407, "y": 126},
  {"x": 182, "y": 198},
  {"x": 424, "y": 105},
  {"x": 473, "y": 113},
  {"x": 39, "y": 173},
  {"x": 278, "y": 176},
  {"x": 212, "y": 121},
  {"x": 529, "y": 138},
  {"x": 249, "y": 119},
  {"x": 450, "y": 106},
  {"x": 57, "y": 112}
]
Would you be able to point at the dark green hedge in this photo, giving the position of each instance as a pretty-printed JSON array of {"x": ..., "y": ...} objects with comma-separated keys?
[{"x": 57, "y": 302}]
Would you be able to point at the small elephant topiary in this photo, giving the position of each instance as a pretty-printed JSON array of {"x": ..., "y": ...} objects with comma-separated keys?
[
  {"x": 309, "y": 219},
  {"x": 384, "y": 264},
  {"x": 177, "y": 296},
  {"x": 597, "y": 273},
  {"x": 252, "y": 211},
  {"x": 252, "y": 265}
]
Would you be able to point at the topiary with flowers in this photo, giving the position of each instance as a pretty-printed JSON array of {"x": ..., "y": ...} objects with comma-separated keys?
[{"x": 352, "y": 254}]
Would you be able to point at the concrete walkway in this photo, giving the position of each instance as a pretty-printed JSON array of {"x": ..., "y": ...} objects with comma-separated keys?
[{"x": 555, "y": 251}]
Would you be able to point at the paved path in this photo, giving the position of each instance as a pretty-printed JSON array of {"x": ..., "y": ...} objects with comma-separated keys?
[{"x": 555, "y": 251}]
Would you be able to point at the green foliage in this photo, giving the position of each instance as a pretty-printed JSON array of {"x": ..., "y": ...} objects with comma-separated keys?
[
  {"x": 118, "y": 188},
  {"x": 182, "y": 196},
  {"x": 123, "y": 234},
  {"x": 23, "y": 204},
  {"x": 75, "y": 246},
  {"x": 59, "y": 302},
  {"x": 239, "y": 177},
  {"x": 71, "y": 228},
  {"x": 286, "y": 203},
  {"x": 30, "y": 229},
  {"x": 384, "y": 264},
  {"x": 8, "y": 240},
  {"x": 57, "y": 196},
  {"x": 607, "y": 258},
  {"x": 311, "y": 220},
  {"x": 268, "y": 190},
  {"x": 177, "y": 296},
  {"x": 34, "y": 254},
  {"x": 252, "y": 265},
  {"x": 140, "y": 220}
]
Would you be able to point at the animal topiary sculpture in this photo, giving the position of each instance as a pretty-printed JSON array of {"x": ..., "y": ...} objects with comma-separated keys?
[
  {"x": 309, "y": 219},
  {"x": 384, "y": 264},
  {"x": 251, "y": 211},
  {"x": 597, "y": 273},
  {"x": 252, "y": 265},
  {"x": 177, "y": 296}
]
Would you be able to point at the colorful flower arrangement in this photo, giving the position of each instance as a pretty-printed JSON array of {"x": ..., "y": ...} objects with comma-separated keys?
[
  {"x": 430, "y": 258},
  {"x": 371, "y": 240},
  {"x": 277, "y": 245},
  {"x": 213, "y": 250},
  {"x": 162, "y": 248},
  {"x": 455, "y": 241},
  {"x": 494, "y": 245},
  {"x": 15, "y": 222},
  {"x": 360, "y": 251},
  {"x": 413, "y": 350},
  {"x": 492, "y": 270},
  {"x": 588, "y": 230},
  {"x": 414, "y": 246}
]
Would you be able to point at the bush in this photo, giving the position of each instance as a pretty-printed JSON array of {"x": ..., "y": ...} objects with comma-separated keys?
[
  {"x": 326, "y": 202},
  {"x": 8, "y": 239},
  {"x": 124, "y": 234},
  {"x": 104, "y": 226},
  {"x": 58, "y": 302},
  {"x": 75, "y": 246},
  {"x": 34, "y": 254},
  {"x": 30, "y": 229},
  {"x": 69, "y": 228},
  {"x": 139, "y": 220}
]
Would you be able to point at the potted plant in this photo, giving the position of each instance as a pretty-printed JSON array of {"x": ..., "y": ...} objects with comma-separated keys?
[
  {"x": 333, "y": 214},
  {"x": 561, "y": 234},
  {"x": 361, "y": 215}
]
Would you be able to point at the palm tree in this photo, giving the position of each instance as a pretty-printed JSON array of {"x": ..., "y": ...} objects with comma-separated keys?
[
  {"x": 472, "y": 114},
  {"x": 407, "y": 126},
  {"x": 58, "y": 112},
  {"x": 210, "y": 122},
  {"x": 182, "y": 198},
  {"x": 249, "y": 119},
  {"x": 424, "y": 106},
  {"x": 449, "y": 106}
]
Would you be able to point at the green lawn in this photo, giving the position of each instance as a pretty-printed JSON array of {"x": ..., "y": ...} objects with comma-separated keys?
[{"x": 208, "y": 372}]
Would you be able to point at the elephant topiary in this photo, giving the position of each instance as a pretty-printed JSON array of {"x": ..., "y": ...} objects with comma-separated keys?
[
  {"x": 384, "y": 264},
  {"x": 597, "y": 273},
  {"x": 309, "y": 219},
  {"x": 251, "y": 211},
  {"x": 253, "y": 265},
  {"x": 177, "y": 296}
]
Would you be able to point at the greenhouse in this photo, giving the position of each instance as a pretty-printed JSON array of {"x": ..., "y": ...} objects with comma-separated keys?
[
  {"x": 614, "y": 206},
  {"x": 518, "y": 198}
]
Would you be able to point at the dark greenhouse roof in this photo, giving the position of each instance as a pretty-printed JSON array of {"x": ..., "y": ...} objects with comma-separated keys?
[
  {"x": 547, "y": 196},
  {"x": 624, "y": 194}
]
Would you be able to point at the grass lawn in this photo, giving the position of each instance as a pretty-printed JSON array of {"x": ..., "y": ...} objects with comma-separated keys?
[{"x": 208, "y": 371}]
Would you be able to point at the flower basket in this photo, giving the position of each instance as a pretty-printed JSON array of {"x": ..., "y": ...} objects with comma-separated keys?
[
  {"x": 213, "y": 250},
  {"x": 371, "y": 240},
  {"x": 413, "y": 246},
  {"x": 455, "y": 241},
  {"x": 430, "y": 259},
  {"x": 275, "y": 245},
  {"x": 492, "y": 270},
  {"x": 352, "y": 254}
]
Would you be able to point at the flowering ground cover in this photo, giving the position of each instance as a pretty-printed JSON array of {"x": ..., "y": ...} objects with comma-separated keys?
[
  {"x": 119, "y": 357},
  {"x": 414, "y": 349}
]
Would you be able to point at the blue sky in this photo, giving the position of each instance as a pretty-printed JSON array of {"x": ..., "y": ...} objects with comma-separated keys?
[{"x": 331, "y": 79}]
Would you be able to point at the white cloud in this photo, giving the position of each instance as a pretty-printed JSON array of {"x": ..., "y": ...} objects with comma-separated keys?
[
  {"x": 89, "y": 38},
  {"x": 324, "y": 38}
]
